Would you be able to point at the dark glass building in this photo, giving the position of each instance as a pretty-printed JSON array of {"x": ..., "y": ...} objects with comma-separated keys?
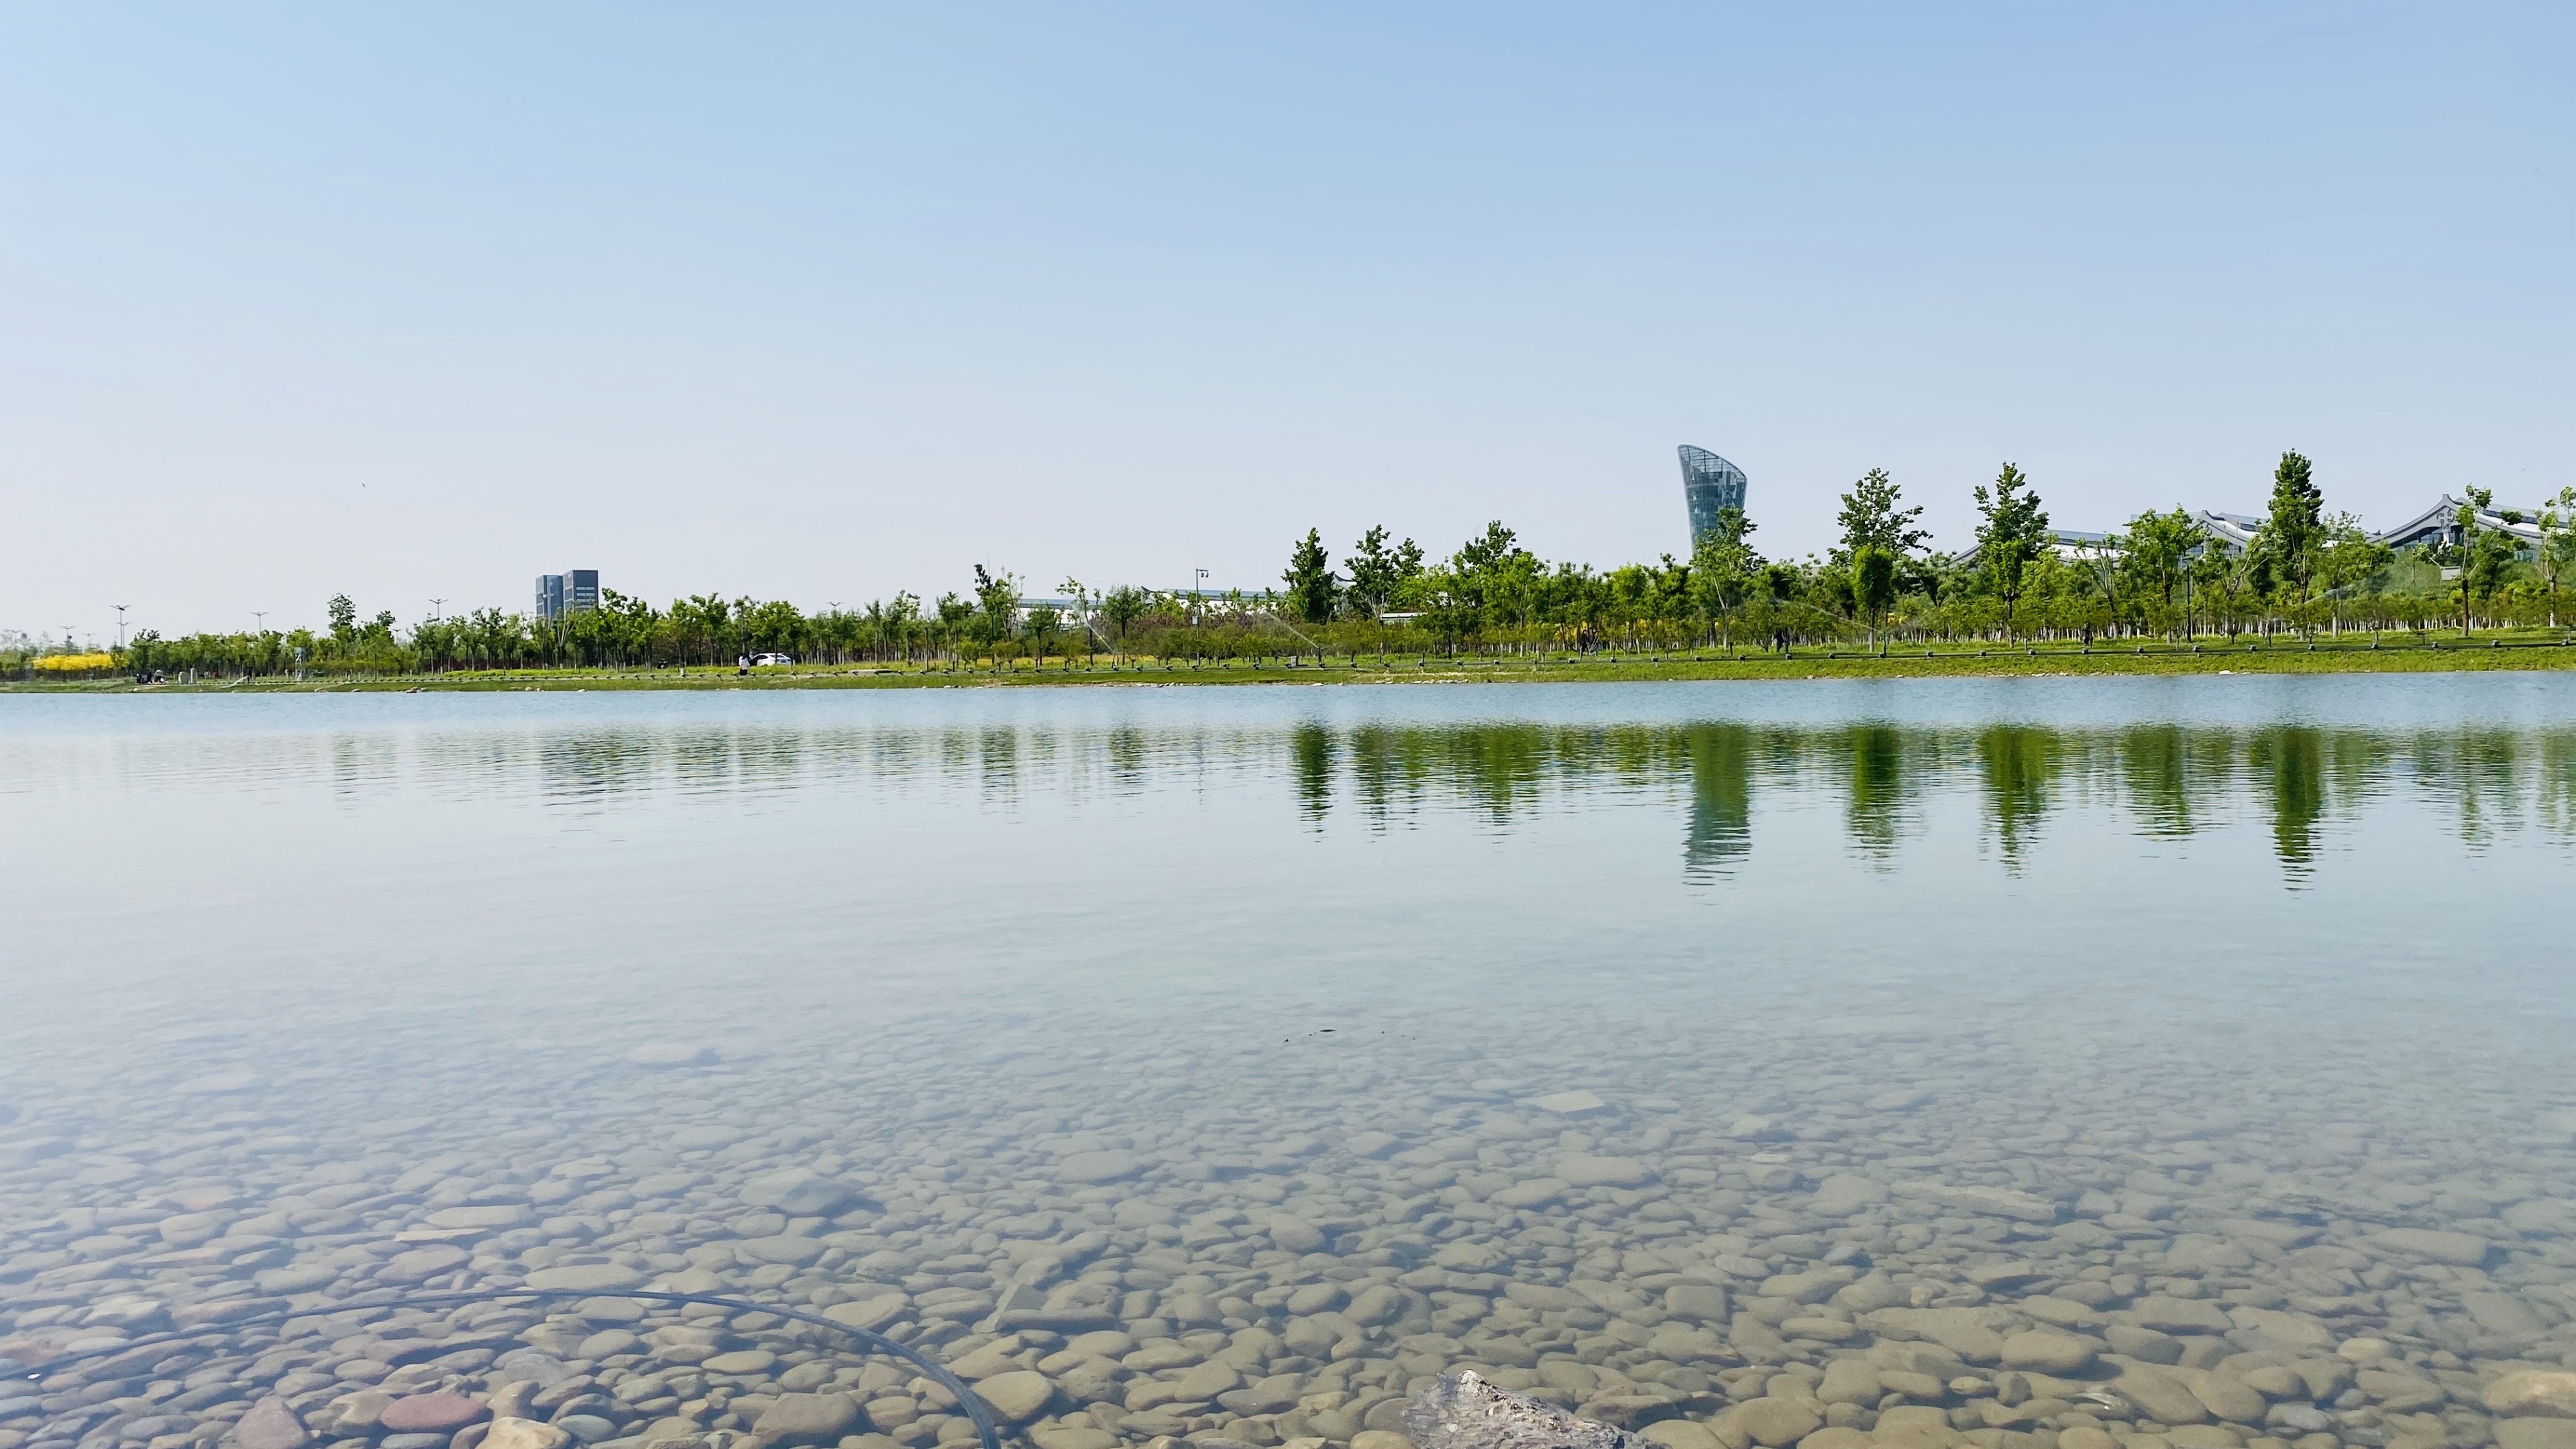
[
  {"x": 1709, "y": 485},
  {"x": 574, "y": 591}
]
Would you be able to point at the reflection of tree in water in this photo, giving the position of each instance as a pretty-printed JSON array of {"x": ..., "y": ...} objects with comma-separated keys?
[
  {"x": 2290, "y": 761},
  {"x": 2554, "y": 796},
  {"x": 1874, "y": 813},
  {"x": 1720, "y": 757},
  {"x": 2018, "y": 765},
  {"x": 1126, "y": 751},
  {"x": 2479, "y": 772},
  {"x": 956, "y": 755},
  {"x": 2176, "y": 780},
  {"x": 2167, "y": 773},
  {"x": 1499, "y": 767},
  {"x": 1494, "y": 768},
  {"x": 1380, "y": 779},
  {"x": 998, "y": 762},
  {"x": 1310, "y": 755},
  {"x": 595, "y": 766}
]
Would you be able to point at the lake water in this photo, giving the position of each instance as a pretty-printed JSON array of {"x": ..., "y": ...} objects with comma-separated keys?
[{"x": 2045, "y": 1064}]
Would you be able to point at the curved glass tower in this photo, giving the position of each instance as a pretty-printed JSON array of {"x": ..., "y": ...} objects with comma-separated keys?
[{"x": 1709, "y": 484}]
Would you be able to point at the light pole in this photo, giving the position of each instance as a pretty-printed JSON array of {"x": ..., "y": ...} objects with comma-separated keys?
[
  {"x": 259, "y": 621},
  {"x": 1198, "y": 597},
  {"x": 120, "y": 628},
  {"x": 437, "y": 608}
]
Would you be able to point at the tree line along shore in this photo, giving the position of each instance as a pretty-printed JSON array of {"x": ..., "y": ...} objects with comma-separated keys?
[
  {"x": 2162, "y": 593},
  {"x": 2484, "y": 651}
]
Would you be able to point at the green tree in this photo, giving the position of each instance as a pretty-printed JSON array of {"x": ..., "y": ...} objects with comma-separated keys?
[
  {"x": 1490, "y": 579},
  {"x": 703, "y": 621},
  {"x": 954, "y": 613},
  {"x": 1878, "y": 536},
  {"x": 2557, "y": 553},
  {"x": 1080, "y": 593},
  {"x": 2012, "y": 531},
  {"x": 1437, "y": 596},
  {"x": 2101, "y": 571},
  {"x": 1487, "y": 549},
  {"x": 344, "y": 618},
  {"x": 2155, "y": 550},
  {"x": 1873, "y": 584},
  {"x": 1870, "y": 518},
  {"x": 2486, "y": 554},
  {"x": 1378, "y": 571},
  {"x": 1122, "y": 607},
  {"x": 499, "y": 640},
  {"x": 1042, "y": 624},
  {"x": 1725, "y": 571},
  {"x": 2295, "y": 528},
  {"x": 2347, "y": 557},
  {"x": 776, "y": 626},
  {"x": 997, "y": 606},
  {"x": 1313, "y": 588},
  {"x": 2218, "y": 580}
]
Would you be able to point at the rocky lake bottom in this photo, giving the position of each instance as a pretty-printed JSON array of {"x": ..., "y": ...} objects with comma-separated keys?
[{"x": 2111, "y": 1198}]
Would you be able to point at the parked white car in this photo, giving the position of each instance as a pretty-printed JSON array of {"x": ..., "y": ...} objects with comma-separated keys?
[{"x": 760, "y": 659}]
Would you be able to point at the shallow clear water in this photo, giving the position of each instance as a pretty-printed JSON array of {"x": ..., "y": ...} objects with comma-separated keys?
[{"x": 2035, "y": 1051}]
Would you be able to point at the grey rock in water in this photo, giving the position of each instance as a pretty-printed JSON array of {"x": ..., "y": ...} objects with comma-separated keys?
[{"x": 1463, "y": 1411}]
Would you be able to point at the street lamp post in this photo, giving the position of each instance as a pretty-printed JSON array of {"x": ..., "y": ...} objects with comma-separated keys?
[
  {"x": 120, "y": 628},
  {"x": 1198, "y": 597},
  {"x": 259, "y": 621}
]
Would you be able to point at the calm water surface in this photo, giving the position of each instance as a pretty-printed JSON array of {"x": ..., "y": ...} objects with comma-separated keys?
[{"x": 2183, "y": 1061}]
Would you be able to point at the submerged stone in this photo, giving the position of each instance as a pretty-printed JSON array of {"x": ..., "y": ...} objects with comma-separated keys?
[{"x": 1463, "y": 1411}]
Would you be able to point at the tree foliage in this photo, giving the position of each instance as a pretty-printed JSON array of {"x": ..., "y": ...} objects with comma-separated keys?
[
  {"x": 1872, "y": 519},
  {"x": 2012, "y": 530},
  {"x": 2163, "y": 576},
  {"x": 1377, "y": 572},
  {"x": 1314, "y": 590},
  {"x": 2295, "y": 528}
]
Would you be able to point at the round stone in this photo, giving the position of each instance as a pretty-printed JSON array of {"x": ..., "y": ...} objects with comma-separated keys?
[
  {"x": 2048, "y": 1352},
  {"x": 1775, "y": 1422},
  {"x": 442, "y": 1412},
  {"x": 270, "y": 1425},
  {"x": 587, "y": 1278},
  {"x": 1095, "y": 1167},
  {"x": 1018, "y": 1396},
  {"x": 2534, "y": 1391},
  {"x": 1584, "y": 1170}
]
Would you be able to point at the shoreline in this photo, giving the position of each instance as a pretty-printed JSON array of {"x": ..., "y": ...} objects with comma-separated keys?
[{"x": 2400, "y": 659}]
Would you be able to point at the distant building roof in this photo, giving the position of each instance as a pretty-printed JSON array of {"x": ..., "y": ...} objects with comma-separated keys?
[{"x": 2440, "y": 524}]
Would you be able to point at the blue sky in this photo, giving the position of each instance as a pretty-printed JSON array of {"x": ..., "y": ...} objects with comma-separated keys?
[{"x": 826, "y": 301}]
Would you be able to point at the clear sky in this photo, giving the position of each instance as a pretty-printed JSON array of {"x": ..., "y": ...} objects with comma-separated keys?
[{"x": 825, "y": 301}]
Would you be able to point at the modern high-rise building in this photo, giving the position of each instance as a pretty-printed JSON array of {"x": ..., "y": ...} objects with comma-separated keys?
[
  {"x": 1710, "y": 484},
  {"x": 574, "y": 591}
]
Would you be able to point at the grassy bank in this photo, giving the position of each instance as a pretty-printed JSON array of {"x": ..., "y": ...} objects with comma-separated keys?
[{"x": 2527, "y": 653}]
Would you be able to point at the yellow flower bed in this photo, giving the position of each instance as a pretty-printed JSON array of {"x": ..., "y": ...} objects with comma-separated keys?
[{"x": 74, "y": 663}]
